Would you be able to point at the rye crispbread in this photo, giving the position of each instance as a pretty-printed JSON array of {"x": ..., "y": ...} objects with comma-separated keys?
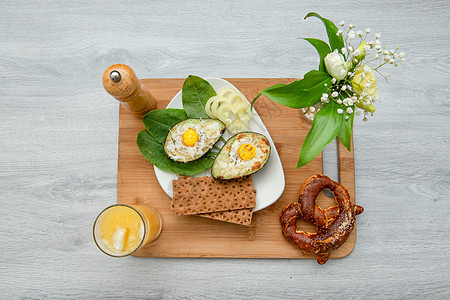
[
  {"x": 231, "y": 200},
  {"x": 237, "y": 216}
]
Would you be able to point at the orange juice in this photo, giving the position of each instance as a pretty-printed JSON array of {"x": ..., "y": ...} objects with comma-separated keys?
[{"x": 120, "y": 230}]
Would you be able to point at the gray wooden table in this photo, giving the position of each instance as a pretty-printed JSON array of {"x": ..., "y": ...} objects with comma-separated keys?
[{"x": 58, "y": 143}]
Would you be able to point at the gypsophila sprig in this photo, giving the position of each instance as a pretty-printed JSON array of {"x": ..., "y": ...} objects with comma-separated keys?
[{"x": 345, "y": 84}]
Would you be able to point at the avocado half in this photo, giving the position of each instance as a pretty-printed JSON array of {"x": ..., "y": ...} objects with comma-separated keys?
[
  {"x": 229, "y": 164},
  {"x": 211, "y": 131}
]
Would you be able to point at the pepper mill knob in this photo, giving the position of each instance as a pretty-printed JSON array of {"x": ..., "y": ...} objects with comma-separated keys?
[
  {"x": 115, "y": 76},
  {"x": 121, "y": 82}
]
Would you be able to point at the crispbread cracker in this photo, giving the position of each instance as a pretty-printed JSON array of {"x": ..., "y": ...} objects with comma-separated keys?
[
  {"x": 238, "y": 216},
  {"x": 199, "y": 195}
]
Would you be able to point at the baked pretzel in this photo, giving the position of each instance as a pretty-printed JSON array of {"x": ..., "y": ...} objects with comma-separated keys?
[{"x": 334, "y": 224}]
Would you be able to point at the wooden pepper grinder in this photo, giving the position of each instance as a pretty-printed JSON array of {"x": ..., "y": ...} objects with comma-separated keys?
[{"x": 121, "y": 82}]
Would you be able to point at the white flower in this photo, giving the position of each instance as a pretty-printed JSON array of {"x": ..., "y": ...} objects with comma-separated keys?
[
  {"x": 351, "y": 26},
  {"x": 377, "y": 42},
  {"x": 366, "y": 47},
  {"x": 339, "y": 32},
  {"x": 368, "y": 30},
  {"x": 340, "y": 111},
  {"x": 350, "y": 48},
  {"x": 344, "y": 50},
  {"x": 333, "y": 80},
  {"x": 385, "y": 52},
  {"x": 356, "y": 52},
  {"x": 348, "y": 102},
  {"x": 334, "y": 94},
  {"x": 339, "y": 101},
  {"x": 343, "y": 88},
  {"x": 336, "y": 65},
  {"x": 375, "y": 55},
  {"x": 359, "y": 33},
  {"x": 401, "y": 54},
  {"x": 377, "y": 35},
  {"x": 342, "y": 23},
  {"x": 351, "y": 35},
  {"x": 312, "y": 109},
  {"x": 349, "y": 110}
]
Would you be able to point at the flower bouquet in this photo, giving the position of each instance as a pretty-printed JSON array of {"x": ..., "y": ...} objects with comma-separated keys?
[{"x": 344, "y": 85}]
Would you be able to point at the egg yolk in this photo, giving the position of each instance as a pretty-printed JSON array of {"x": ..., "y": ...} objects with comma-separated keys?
[
  {"x": 246, "y": 151},
  {"x": 190, "y": 137}
]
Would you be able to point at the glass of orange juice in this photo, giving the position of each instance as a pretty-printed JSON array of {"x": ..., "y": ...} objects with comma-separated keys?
[{"x": 121, "y": 229}]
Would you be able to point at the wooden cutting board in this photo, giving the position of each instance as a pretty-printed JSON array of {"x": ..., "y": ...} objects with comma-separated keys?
[{"x": 190, "y": 236}]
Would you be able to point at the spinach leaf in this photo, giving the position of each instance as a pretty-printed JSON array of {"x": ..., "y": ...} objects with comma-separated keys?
[
  {"x": 345, "y": 134},
  {"x": 195, "y": 93},
  {"x": 301, "y": 93},
  {"x": 325, "y": 127},
  {"x": 336, "y": 41},
  {"x": 322, "y": 48},
  {"x": 154, "y": 152},
  {"x": 158, "y": 122}
]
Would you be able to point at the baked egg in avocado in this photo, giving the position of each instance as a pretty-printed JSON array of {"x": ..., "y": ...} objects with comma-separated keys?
[
  {"x": 243, "y": 154},
  {"x": 190, "y": 139}
]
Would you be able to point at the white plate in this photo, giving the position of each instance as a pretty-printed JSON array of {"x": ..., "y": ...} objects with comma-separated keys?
[{"x": 269, "y": 181}]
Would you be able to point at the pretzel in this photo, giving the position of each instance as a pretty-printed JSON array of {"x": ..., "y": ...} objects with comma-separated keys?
[{"x": 334, "y": 224}]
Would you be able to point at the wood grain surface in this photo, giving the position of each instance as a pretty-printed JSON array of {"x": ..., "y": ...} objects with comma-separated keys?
[
  {"x": 59, "y": 137},
  {"x": 190, "y": 236}
]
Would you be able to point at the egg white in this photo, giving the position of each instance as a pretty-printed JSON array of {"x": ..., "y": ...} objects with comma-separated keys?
[{"x": 241, "y": 164}]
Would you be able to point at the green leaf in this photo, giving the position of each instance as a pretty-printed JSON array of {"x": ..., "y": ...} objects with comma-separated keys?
[
  {"x": 267, "y": 89},
  {"x": 154, "y": 152},
  {"x": 301, "y": 93},
  {"x": 195, "y": 93},
  {"x": 158, "y": 122},
  {"x": 322, "y": 48},
  {"x": 345, "y": 134},
  {"x": 325, "y": 127},
  {"x": 336, "y": 41}
]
